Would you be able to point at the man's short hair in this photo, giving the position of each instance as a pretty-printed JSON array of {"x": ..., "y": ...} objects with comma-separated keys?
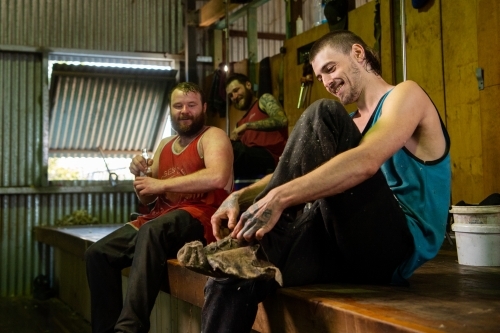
[
  {"x": 342, "y": 40},
  {"x": 241, "y": 78},
  {"x": 187, "y": 87}
]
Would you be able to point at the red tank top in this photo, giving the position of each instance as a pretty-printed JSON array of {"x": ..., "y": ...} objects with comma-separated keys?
[
  {"x": 272, "y": 141},
  {"x": 201, "y": 206}
]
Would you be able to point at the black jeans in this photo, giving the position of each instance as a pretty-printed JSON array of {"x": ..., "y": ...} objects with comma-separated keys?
[
  {"x": 251, "y": 162},
  {"x": 358, "y": 236},
  {"x": 146, "y": 251}
]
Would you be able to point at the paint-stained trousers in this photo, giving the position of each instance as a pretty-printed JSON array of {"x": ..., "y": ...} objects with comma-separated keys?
[
  {"x": 360, "y": 235},
  {"x": 145, "y": 251}
]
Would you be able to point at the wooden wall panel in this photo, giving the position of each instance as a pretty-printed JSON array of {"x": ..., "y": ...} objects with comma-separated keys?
[
  {"x": 386, "y": 43},
  {"x": 294, "y": 72},
  {"x": 362, "y": 22},
  {"x": 488, "y": 36},
  {"x": 490, "y": 134},
  {"x": 488, "y": 39},
  {"x": 424, "y": 50},
  {"x": 463, "y": 113},
  {"x": 277, "y": 61}
]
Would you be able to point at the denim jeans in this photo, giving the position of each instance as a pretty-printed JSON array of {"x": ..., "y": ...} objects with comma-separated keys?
[
  {"x": 146, "y": 251},
  {"x": 358, "y": 236}
]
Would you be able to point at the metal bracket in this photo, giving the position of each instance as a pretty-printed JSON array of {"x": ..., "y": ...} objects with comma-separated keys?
[{"x": 480, "y": 78}]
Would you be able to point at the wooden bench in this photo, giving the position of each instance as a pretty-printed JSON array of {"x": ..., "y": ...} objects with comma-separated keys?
[{"x": 443, "y": 296}]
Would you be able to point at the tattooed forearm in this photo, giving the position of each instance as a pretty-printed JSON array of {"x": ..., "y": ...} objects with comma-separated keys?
[
  {"x": 277, "y": 118},
  {"x": 231, "y": 201}
]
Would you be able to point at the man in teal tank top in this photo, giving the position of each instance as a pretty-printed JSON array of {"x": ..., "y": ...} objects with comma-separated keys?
[{"x": 355, "y": 198}]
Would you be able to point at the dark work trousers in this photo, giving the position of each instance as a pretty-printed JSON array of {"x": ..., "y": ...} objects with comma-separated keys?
[
  {"x": 251, "y": 162},
  {"x": 146, "y": 251},
  {"x": 359, "y": 236}
]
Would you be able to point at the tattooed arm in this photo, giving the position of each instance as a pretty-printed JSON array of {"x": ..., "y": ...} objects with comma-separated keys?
[
  {"x": 230, "y": 208},
  {"x": 277, "y": 118}
]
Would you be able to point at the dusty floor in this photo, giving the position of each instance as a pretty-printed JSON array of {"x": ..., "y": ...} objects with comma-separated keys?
[{"x": 28, "y": 315}]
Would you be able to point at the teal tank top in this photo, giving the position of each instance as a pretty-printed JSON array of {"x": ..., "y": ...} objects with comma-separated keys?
[{"x": 423, "y": 190}]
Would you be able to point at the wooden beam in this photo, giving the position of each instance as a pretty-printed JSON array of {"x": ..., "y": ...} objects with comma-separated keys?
[
  {"x": 237, "y": 14},
  {"x": 213, "y": 11},
  {"x": 260, "y": 35}
]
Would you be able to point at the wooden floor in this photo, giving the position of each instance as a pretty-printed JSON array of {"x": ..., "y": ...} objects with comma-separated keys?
[{"x": 28, "y": 315}]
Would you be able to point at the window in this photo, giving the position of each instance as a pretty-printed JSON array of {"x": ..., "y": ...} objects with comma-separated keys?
[{"x": 114, "y": 107}]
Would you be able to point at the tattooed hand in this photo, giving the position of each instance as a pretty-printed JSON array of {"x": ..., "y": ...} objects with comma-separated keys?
[
  {"x": 238, "y": 132},
  {"x": 259, "y": 219},
  {"x": 228, "y": 210}
]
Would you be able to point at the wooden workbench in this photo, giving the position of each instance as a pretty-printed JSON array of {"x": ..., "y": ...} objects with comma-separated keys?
[{"x": 443, "y": 296}]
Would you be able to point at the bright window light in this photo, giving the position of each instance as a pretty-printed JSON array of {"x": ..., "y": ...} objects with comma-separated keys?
[{"x": 94, "y": 169}]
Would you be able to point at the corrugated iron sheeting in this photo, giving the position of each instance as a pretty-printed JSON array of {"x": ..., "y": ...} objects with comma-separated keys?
[
  {"x": 21, "y": 119},
  {"x": 117, "y": 109},
  {"x": 271, "y": 19},
  {"x": 22, "y": 258},
  {"x": 114, "y": 25},
  {"x": 21, "y": 167}
]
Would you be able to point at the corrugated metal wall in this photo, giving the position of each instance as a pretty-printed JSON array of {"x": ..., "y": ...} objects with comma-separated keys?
[
  {"x": 114, "y": 25},
  {"x": 111, "y": 25},
  {"x": 22, "y": 258},
  {"x": 21, "y": 119},
  {"x": 23, "y": 123},
  {"x": 271, "y": 19}
]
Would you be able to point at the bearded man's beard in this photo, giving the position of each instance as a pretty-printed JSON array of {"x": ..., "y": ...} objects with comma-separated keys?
[
  {"x": 187, "y": 130},
  {"x": 247, "y": 101}
]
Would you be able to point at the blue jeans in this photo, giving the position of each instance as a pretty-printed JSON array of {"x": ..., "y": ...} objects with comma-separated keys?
[{"x": 359, "y": 236}]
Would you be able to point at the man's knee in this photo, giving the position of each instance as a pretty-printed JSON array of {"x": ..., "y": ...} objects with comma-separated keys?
[
  {"x": 94, "y": 251},
  {"x": 323, "y": 108}
]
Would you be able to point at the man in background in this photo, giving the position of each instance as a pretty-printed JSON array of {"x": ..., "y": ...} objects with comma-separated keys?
[{"x": 261, "y": 134}]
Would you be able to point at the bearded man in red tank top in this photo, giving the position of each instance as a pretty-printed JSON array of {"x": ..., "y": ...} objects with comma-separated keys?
[
  {"x": 191, "y": 176},
  {"x": 261, "y": 134}
]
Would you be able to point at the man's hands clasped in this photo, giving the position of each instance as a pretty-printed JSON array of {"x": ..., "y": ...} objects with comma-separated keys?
[
  {"x": 142, "y": 184},
  {"x": 254, "y": 223}
]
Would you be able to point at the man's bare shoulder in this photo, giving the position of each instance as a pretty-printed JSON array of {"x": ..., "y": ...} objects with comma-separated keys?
[
  {"x": 215, "y": 135},
  {"x": 409, "y": 88},
  {"x": 415, "y": 107},
  {"x": 212, "y": 130},
  {"x": 408, "y": 96},
  {"x": 215, "y": 142}
]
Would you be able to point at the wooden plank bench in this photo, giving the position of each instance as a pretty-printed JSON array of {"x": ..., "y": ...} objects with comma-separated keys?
[{"x": 443, "y": 296}]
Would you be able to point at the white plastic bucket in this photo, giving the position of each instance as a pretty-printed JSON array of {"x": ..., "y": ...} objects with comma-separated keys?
[
  {"x": 476, "y": 214},
  {"x": 477, "y": 245}
]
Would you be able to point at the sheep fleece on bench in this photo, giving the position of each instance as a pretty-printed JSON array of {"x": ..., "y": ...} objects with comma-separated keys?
[{"x": 227, "y": 258}]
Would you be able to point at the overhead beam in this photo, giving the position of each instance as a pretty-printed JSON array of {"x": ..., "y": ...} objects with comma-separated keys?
[
  {"x": 260, "y": 35},
  {"x": 213, "y": 11}
]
